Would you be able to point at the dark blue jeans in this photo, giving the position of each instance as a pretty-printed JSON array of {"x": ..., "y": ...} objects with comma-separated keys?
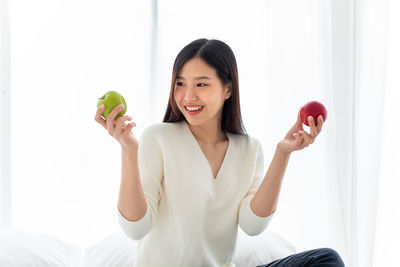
[{"x": 317, "y": 257}]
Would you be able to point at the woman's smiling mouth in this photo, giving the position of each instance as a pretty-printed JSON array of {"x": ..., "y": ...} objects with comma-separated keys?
[{"x": 193, "y": 110}]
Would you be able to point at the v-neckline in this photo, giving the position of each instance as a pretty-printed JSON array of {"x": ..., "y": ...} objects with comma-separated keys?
[{"x": 203, "y": 156}]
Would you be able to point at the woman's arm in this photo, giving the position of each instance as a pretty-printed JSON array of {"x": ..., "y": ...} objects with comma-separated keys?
[
  {"x": 265, "y": 200},
  {"x": 132, "y": 203}
]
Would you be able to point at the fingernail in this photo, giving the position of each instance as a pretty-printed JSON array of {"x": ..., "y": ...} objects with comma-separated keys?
[{"x": 310, "y": 118}]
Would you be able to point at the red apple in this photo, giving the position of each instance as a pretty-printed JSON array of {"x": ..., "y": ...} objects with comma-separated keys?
[{"x": 314, "y": 109}]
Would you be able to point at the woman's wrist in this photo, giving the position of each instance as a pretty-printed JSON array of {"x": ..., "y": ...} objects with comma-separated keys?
[
  {"x": 279, "y": 150},
  {"x": 131, "y": 152}
]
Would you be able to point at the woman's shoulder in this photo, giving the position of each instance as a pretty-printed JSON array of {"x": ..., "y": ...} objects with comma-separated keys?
[
  {"x": 245, "y": 142},
  {"x": 162, "y": 129}
]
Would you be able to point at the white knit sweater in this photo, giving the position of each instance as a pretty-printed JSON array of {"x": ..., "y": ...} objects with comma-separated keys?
[{"x": 192, "y": 219}]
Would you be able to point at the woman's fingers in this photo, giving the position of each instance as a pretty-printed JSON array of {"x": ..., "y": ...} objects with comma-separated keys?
[
  {"x": 320, "y": 123},
  {"x": 114, "y": 127},
  {"x": 129, "y": 127},
  {"x": 120, "y": 125},
  {"x": 299, "y": 117},
  {"x": 307, "y": 139},
  {"x": 111, "y": 118},
  {"x": 313, "y": 130},
  {"x": 298, "y": 139},
  {"x": 301, "y": 138},
  {"x": 98, "y": 117}
]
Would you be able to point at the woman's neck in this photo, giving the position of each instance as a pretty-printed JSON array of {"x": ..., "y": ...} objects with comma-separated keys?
[{"x": 209, "y": 134}]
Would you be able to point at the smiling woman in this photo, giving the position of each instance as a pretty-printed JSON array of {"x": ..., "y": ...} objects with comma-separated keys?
[
  {"x": 208, "y": 98},
  {"x": 184, "y": 165},
  {"x": 211, "y": 64},
  {"x": 60, "y": 176}
]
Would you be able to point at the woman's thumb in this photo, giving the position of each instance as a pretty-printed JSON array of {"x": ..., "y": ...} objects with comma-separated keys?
[
  {"x": 131, "y": 125},
  {"x": 299, "y": 122}
]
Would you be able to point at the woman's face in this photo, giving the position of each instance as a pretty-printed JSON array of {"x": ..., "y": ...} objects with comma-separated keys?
[{"x": 199, "y": 86}]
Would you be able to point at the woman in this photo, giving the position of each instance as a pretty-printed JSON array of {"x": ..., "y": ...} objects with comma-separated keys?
[{"x": 197, "y": 175}]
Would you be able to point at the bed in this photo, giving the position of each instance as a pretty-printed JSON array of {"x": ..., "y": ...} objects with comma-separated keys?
[{"x": 21, "y": 248}]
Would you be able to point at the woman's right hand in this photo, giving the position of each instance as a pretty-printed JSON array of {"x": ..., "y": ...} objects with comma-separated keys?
[{"x": 118, "y": 129}]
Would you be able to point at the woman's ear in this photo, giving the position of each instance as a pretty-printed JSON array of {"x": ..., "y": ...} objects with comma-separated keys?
[{"x": 228, "y": 91}]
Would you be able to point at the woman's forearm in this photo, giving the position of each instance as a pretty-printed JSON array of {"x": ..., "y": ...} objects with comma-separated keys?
[
  {"x": 131, "y": 203},
  {"x": 265, "y": 199}
]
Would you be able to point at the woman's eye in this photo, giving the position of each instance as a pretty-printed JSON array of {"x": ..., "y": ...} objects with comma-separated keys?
[{"x": 199, "y": 84}]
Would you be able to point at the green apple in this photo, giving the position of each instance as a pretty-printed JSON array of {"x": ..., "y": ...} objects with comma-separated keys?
[{"x": 111, "y": 99}]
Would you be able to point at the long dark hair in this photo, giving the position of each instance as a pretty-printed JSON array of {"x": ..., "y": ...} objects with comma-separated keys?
[{"x": 220, "y": 56}]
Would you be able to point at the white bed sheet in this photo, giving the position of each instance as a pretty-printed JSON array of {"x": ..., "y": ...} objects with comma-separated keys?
[{"x": 20, "y": 248}]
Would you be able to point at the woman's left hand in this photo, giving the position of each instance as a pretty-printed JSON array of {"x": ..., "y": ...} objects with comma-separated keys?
[{"x": 297, "y": 138}]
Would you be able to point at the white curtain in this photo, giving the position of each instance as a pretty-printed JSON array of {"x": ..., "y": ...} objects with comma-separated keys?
[
  {"x": 386, "y": 247},
  {"x": 369, "y": 91},
  {"x": 64, "y": 56},
  {"x": 65, "y": 168},
  {"x": 5, "y": 133}
]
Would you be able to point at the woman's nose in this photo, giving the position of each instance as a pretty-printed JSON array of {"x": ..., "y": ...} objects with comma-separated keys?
[{"x": 190, "y": 93}]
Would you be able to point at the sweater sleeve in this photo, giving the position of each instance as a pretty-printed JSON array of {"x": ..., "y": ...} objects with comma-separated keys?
[
  {"x": 251, "y": 223},
  {"x": 151, "y": 170}
]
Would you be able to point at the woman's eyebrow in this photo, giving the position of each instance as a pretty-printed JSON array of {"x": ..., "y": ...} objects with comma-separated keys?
[{"x": 197, "y": 78}]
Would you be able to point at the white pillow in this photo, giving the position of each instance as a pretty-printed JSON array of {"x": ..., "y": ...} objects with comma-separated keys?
[
  {"x": 260, "y": 249},
  {"x": 118, "y": 250},
  {"x": 21, "y": 248}
]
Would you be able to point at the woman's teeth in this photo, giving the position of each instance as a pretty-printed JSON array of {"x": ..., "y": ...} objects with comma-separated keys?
[{"x": 193, "y": 108}]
